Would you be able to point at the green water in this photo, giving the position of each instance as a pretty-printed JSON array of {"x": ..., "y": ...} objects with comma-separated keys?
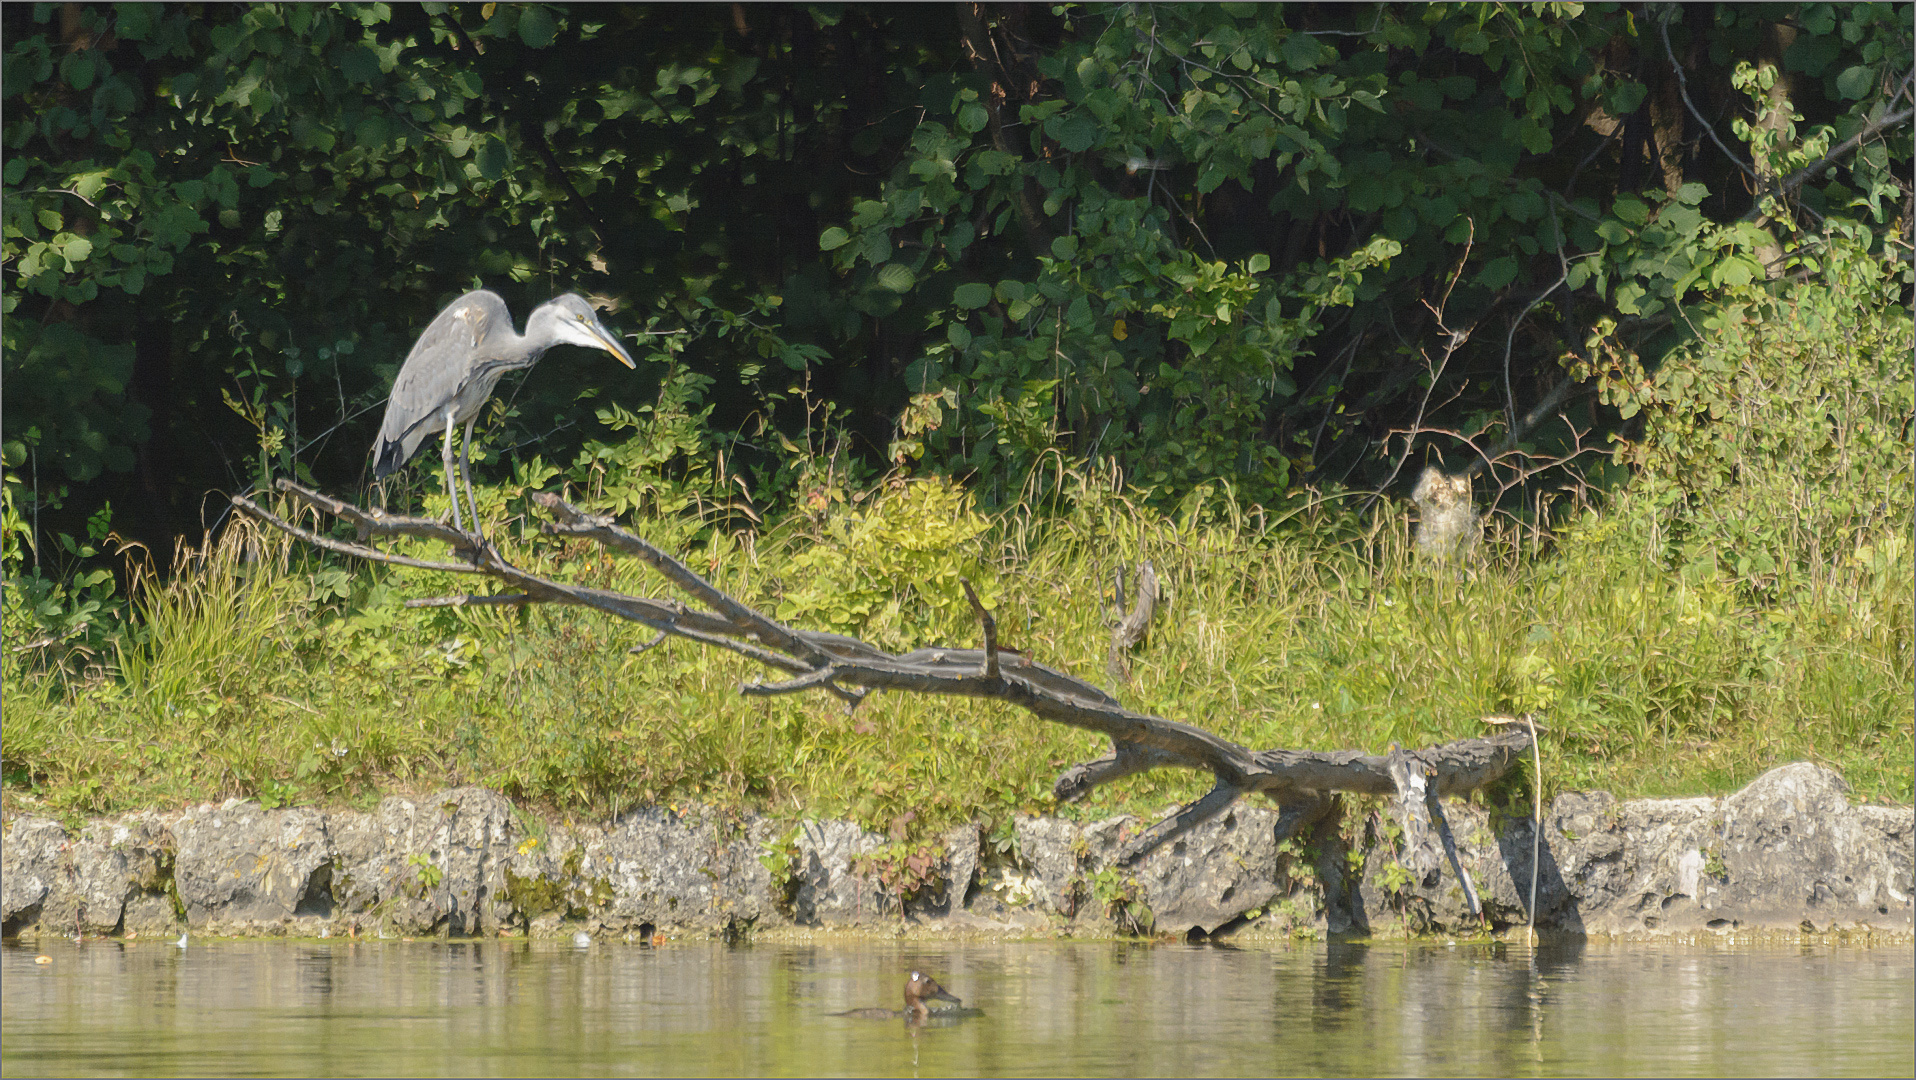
[{"x": 1093, "y": 1009}]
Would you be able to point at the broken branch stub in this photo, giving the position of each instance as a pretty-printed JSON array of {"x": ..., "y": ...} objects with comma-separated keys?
[
  {"x": 1132, "y": 624},
  {"x": 851, "y": 669}
]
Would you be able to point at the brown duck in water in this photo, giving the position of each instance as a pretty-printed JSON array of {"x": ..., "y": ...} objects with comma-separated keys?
[{"x": 918, "y": 989}]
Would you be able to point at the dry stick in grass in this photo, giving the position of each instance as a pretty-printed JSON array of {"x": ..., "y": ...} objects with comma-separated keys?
[
  {"x": 1296, "y": 779},
  {"x": 1529, "y": 722}
]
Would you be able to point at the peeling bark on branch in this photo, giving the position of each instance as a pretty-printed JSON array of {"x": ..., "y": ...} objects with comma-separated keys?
[{"x": 1298, "y": 780}]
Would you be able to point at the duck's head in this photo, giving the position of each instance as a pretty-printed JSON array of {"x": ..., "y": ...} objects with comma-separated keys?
[{"x": 921, "y": 987}]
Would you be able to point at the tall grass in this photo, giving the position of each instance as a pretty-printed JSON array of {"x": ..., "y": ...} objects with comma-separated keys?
[{"x": 258, "y": 673}]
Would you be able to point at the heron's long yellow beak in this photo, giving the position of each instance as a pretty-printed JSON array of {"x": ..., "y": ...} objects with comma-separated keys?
[{"x": 611, "y": 344}]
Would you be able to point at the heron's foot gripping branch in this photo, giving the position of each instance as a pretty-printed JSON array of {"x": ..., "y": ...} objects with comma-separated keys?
[{"x": 1299, "y": 781}]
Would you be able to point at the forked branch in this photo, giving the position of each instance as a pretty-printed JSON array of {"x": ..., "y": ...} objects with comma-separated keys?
[{"x": 851, "y": 669}]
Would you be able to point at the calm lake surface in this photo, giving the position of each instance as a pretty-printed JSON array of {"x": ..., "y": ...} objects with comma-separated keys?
[{"x": 374, "y": 1008}]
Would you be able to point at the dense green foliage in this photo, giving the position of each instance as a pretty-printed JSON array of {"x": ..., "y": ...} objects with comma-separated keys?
[
  {"x": 1225, "y": 259},
  {"x": 1196, "y": 242}
]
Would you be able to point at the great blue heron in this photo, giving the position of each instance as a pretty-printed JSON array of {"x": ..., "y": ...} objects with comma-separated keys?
[{"x": 452, "y": 369}]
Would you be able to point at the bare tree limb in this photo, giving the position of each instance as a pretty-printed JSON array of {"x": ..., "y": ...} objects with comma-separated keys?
[
  {"x": 1298, "y": 780},
  {"x": 494, "y": 600},
  {"x": 1188, "y": 817},
  {"x": 989, "y": 669},
  {"x": 1435, "y": 809}
]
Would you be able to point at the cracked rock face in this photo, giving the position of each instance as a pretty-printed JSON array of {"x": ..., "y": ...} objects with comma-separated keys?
[
  {"x": 688, "y": 870},
  {"x": 1787, "y": 853},
  {"x": 436, "y": 865},
  {"x": 1214, "y": 873},
  {"x": 243, "y": 870},
  {"x": 829, "y": 892}
]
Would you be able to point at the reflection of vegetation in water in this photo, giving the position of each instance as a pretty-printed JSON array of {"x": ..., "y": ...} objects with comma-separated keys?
[{"x": 1050, "y": 1008}]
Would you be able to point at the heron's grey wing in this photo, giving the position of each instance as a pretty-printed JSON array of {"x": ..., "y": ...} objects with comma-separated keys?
[{"x": 431, "y": 378}]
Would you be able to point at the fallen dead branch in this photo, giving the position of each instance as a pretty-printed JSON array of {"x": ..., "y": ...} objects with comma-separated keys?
[{"x": 1298, "y": 780}]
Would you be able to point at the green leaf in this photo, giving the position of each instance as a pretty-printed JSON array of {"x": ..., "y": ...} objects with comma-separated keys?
[
  {"x": 1078, "y": 315},
  {"x": 1301, "y": 52},
  {"x": 77, "y": 249},
  {"x": 134, "y": 22},
  {"x": 973, "y": 117},
  {"x": 536, "y": 27},
  {"x": 1258, "y": 263},
  {"x": 1856, "y": 82},
  {"x": 358, "y": 63},
  {"x": 1736, "y": 271},
  {"x": 1499, "y": 273},
  {"x": 78, "y": 69},
  {"x": 494, "y": 158},
  {"x": 896, "y": 277},
  {"x": 958, "y": 335},
  {"x": 1064, "y": 248},
  {"x": 1077, "y": 132},
  {"x": 1680, "y": 219},
  {"x": 1625, "y": 96},
  {"x": 971, "y": 295},
  {"x": 1631, "y": 209},
  {"x": 833, "y": 238}
]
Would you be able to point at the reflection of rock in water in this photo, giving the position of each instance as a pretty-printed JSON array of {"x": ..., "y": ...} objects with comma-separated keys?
[{"x": 1447, "y": 520}]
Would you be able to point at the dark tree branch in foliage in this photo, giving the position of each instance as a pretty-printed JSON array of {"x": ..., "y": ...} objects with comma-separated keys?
[
  {"x": 1683, "y": 88},
  {"x": 838, "y": 663},
  {"x": 1843, "y": 149},
  {"x": 982, "y": 51}
]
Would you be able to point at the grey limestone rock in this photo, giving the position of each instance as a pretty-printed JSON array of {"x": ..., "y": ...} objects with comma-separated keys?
[
  {"x": 30, "y": 869},
  {"x": 1204, "y": 879},
  {"x": 685, "y": 869},
  {"x": 1049, "y": 846},
  {"x": 962, "y": 855},
  {"x": 829, "y": 892},
  {"x": 240, "y": 869},
  {"x": 435, "y": 865},
  {"x": 1215, "y": 872},
  {"x": 1787, "y": 853},
  {"x": 111, "y": 878}
]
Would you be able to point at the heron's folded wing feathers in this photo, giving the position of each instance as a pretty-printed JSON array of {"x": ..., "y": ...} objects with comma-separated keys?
[{"x": 440, "y": 365}]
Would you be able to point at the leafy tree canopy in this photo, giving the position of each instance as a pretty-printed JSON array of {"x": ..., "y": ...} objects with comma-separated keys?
[{"x": 1272, "y": 245}]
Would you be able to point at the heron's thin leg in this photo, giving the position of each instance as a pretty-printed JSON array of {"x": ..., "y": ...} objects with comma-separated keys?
[
  {"x": 465, "y": 476},
  {"x": 452, "y": 490}
]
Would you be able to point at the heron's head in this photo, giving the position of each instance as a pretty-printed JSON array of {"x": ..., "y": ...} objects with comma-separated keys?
[{"x": 570, "y": 320}]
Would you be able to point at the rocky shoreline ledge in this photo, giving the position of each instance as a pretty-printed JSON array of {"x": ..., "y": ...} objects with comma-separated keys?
[{"x": 1788, "y": 854}]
